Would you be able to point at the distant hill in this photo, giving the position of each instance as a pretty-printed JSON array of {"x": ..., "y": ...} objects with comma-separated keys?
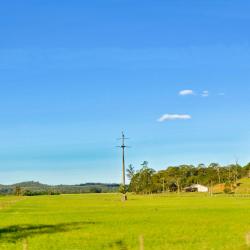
[{"x": 37, "y": 188}]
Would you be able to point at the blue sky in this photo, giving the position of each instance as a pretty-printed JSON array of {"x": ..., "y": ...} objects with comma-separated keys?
[{"x": 74, "y": 74}]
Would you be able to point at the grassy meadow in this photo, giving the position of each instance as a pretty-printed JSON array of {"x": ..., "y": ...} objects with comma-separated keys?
[{"x": 102, "y": 221}]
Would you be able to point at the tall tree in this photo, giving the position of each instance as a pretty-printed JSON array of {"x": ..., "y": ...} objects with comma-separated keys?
[{"x": 130, "y": 171}]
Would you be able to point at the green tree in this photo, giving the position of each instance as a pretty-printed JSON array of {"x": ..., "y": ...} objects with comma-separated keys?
[{"x": 130, "y": 171}]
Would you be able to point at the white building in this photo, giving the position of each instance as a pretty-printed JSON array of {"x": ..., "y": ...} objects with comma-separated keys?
[{"x": 197, "y": 188}]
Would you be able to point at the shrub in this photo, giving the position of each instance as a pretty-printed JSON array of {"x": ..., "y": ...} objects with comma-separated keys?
[
  {"x": 227, "y": 190},
  {"x": 123, "y": 189}
]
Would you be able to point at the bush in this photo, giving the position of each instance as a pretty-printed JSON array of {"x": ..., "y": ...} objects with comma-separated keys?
[
  {"x": 39, "y": 192},
  {"x": 95, "y": 190},
  {"x": 123, "y": 189},
  {"x": 227, "y": 190}
]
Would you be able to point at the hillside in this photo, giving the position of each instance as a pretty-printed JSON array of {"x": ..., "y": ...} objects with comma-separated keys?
[
  {"x": 243, "y": 186},
  {"x": 35, "y": 188}
]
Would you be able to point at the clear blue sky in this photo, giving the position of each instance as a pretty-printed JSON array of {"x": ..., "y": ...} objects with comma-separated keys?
[{"x": 74, "y": 74}]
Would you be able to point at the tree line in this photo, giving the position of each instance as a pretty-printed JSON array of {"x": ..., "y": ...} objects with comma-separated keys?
[
  {"x": 32, "y": 188},
  {"x": 175, "y": 178}
]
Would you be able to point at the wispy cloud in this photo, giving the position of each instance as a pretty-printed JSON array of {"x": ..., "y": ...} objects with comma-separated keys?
[
  {"x": 205, "y": 93},
  {"x": 186, "y": 92},
  {"x": 172, "y": 117}
]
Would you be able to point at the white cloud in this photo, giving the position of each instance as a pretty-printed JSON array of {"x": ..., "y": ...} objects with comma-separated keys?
[
  {"x": 205, "y": 93},
  {"x": 186, "y": 92},
  {"x": 171, "y": 117}
]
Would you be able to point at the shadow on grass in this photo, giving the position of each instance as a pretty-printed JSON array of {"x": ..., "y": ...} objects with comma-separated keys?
[
  {"x": 18, "y": 232},
  {"x": 119, "y": 245}
]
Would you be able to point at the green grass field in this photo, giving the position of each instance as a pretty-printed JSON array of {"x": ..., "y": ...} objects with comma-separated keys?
[{"x": 102, "y": 221}]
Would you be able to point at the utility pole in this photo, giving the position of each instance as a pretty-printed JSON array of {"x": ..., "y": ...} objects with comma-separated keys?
[{"x": 123, "y": 146}]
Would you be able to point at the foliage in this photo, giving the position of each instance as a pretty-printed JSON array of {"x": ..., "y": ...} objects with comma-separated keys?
[
  {"x": 175, "y": 178},
  {"x": 130, "y": 172},
  {"x": 34, "y": 193},
  {"x": 32, "y": 188},
  {"x": 142, "y": 181},
  {"x": 123, "y": 189}
]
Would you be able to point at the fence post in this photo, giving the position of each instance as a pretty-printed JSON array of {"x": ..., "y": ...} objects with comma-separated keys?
[
  {"x": 141, "y": 242},
  {"x": 248, "y": 239},
  {"x": 25, "y": 244}
]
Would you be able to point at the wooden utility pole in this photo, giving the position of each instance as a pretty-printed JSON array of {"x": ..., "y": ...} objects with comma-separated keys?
[{"x": 123, "y": 146}]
